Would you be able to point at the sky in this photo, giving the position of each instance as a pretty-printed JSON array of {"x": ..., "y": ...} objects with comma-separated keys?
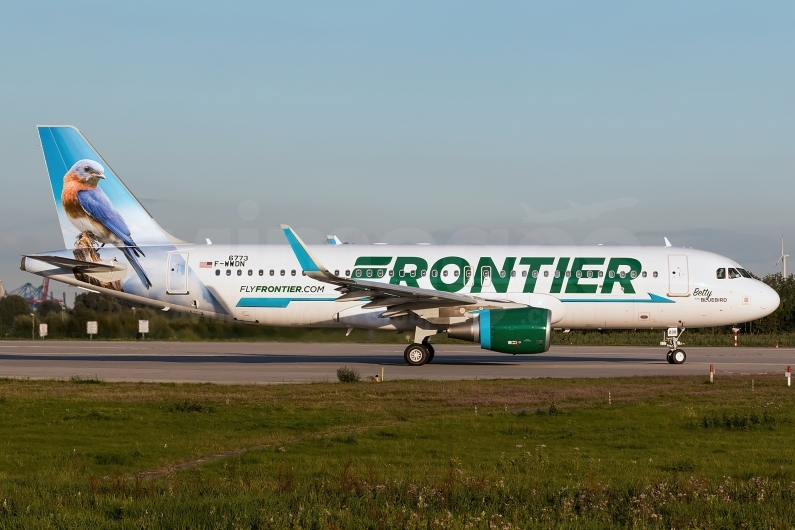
[{"x": 438, "y": 122}]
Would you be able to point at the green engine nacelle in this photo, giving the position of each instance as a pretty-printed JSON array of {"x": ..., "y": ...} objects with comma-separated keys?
[{"x": 521, "y": 330}]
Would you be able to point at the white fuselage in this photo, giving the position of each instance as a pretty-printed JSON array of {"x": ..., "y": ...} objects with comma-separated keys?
[{"x": 672, "y": 287}]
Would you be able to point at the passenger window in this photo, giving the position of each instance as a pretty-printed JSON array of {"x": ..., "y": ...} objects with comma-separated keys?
[
  {"x": 358, "y": 272},
  {"x": 250, "y": 272},
  {"x": 229, "y": 272},
  {"x": 720, "y": 274},
  {"x": 733, "y": 273},
  {"x": 413, "y": 273},
  {"x": 391, "y": 273},
  {"x": 524, "y": 273},
  {"x": 654, "y": 274},
  {"x": 261, "y": 272},
  {"x": 217, "y": 272},
  {"x": 535, "y": 274},
  {"x": 434, "y": 273},
  {"x": 272, "y": 272},
  {"x": 612, "y": 274},
  {"x": 348, "y": 273},
  {"x": 557, "y": 274},
  {"x": 633, "y": 275},
  {"x": 337, "y": 272},
  {"x": 568, "y": 274},
  {"x": 444, "y": 273},
  {"x": 513, "y": 274},
  {"x": 369, "y": 273},
  {"x": 601, "y": 273},
  {"x": 292, "y": 272},
  {"x": 402, "y": 273},
  {"x": 240, "y": 272},
  {"x": 546, "y": 274},
  {"x": 622, "y": 274},
  {"x": 579, "y": 274},
  {"x": 455, "y": 274},
  {"x": 282, "y": 272},
  {"x": 422, "y": 273},
  {"x": 468, "y": 271},
  {"x": 590, "y": 274},
  {"x": 502, "y": 274},
  {"x": 643, "y": 274},
  {"x": 380, "y": 272}
]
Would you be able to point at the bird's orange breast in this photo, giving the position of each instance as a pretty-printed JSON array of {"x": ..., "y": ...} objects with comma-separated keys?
[{"x": 69, "y": 200}]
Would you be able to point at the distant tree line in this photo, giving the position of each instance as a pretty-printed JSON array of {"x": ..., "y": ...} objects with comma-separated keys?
[{"x": 118, "y": 319}]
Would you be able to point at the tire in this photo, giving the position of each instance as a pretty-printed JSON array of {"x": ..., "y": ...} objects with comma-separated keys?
[
  {"x": 669, "y": 357},
  {"x": 431, "y": 351},
  {"x": 416, "y": 355},
  {"x": 678, "y": 356}
]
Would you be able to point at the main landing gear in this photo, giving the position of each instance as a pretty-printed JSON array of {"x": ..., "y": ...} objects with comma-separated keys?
[
  {"x": 418, "y": 354},
  {"x": 421, "y": 351},
  {"x": 675, "y": 354}
]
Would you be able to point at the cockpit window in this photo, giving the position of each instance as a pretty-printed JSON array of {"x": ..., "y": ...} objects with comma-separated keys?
[
  {"x": 744, "y": 273},
  {"x": 720, "y": 274},
  {"x": 733, "y": 273}
]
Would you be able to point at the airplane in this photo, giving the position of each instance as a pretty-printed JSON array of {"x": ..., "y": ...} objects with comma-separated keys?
[
  {"x": 578, "y": 211},
  {"x": 505, "y": 298}
]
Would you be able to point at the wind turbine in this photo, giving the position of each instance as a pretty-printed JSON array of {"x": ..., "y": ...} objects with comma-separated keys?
[{"x": 783, "y": 259}]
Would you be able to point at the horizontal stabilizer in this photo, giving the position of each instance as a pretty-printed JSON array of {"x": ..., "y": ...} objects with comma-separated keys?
[{"x": 83, "y": 266}]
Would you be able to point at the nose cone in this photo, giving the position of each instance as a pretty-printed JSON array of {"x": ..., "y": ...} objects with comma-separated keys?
[{"x": 770, "y": 300}]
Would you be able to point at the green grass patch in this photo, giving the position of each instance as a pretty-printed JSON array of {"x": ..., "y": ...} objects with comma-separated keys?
[{"x": 668, "y": 453}]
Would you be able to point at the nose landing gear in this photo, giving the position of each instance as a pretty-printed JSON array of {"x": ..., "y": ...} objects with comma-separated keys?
[{"x": 675, "y": 354}]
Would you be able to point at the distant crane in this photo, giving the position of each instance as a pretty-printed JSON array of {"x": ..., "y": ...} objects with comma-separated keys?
[
  {"x": 783, "y": 258},
  {"x": 36, "y": 295}
]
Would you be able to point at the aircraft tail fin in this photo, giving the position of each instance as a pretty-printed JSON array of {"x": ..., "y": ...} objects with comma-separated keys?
[{"x": 63, "y": 147}]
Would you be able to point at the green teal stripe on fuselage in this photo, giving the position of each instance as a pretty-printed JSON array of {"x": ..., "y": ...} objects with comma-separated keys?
[
  {"x": 277, "y": 302},
  {"x": 652, "y": 299}
]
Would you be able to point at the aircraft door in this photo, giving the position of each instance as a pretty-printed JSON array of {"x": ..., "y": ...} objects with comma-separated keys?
[
  {"x": 678, "y": 282},
  {"x": 177, "y": 274}
]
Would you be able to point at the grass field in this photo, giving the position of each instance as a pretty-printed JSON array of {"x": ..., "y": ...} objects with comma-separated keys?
[{"x": 672, "y": 452}]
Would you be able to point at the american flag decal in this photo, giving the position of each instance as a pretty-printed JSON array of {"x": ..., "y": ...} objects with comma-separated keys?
[{"x": 205, "y": 264}]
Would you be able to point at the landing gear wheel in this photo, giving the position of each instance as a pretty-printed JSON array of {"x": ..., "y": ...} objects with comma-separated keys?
[
  {"x": 678, "y": 356},
  {"x": 416, "y": 355},
  {"x": 669, "y": 357},
  {"x": 430, "y": 349}
]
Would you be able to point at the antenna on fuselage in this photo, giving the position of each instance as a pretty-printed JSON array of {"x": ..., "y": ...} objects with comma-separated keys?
[{"x": 783, "y": 258}]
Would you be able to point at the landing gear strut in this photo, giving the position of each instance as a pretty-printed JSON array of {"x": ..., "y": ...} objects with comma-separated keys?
[{"x": 675, "y": 354}]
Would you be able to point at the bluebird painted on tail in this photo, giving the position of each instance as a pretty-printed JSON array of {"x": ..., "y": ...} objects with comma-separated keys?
[{"x": 90, "y": 210}]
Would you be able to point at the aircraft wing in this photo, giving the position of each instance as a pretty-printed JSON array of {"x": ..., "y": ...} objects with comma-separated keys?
[{"x": 398, "y": 299}]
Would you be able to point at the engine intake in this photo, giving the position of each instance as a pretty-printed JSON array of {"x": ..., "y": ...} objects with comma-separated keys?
[{"x": 521, "y": 330}]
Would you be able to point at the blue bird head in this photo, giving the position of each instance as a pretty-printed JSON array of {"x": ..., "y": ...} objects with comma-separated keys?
[{"x": 88, "y": 171}]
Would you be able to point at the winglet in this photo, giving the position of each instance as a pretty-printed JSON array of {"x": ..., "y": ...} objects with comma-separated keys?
[
  {"x": 667, "y": 243},
  {"x": 305, "y": 258},
  {"x": 333, "y": 240}
]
